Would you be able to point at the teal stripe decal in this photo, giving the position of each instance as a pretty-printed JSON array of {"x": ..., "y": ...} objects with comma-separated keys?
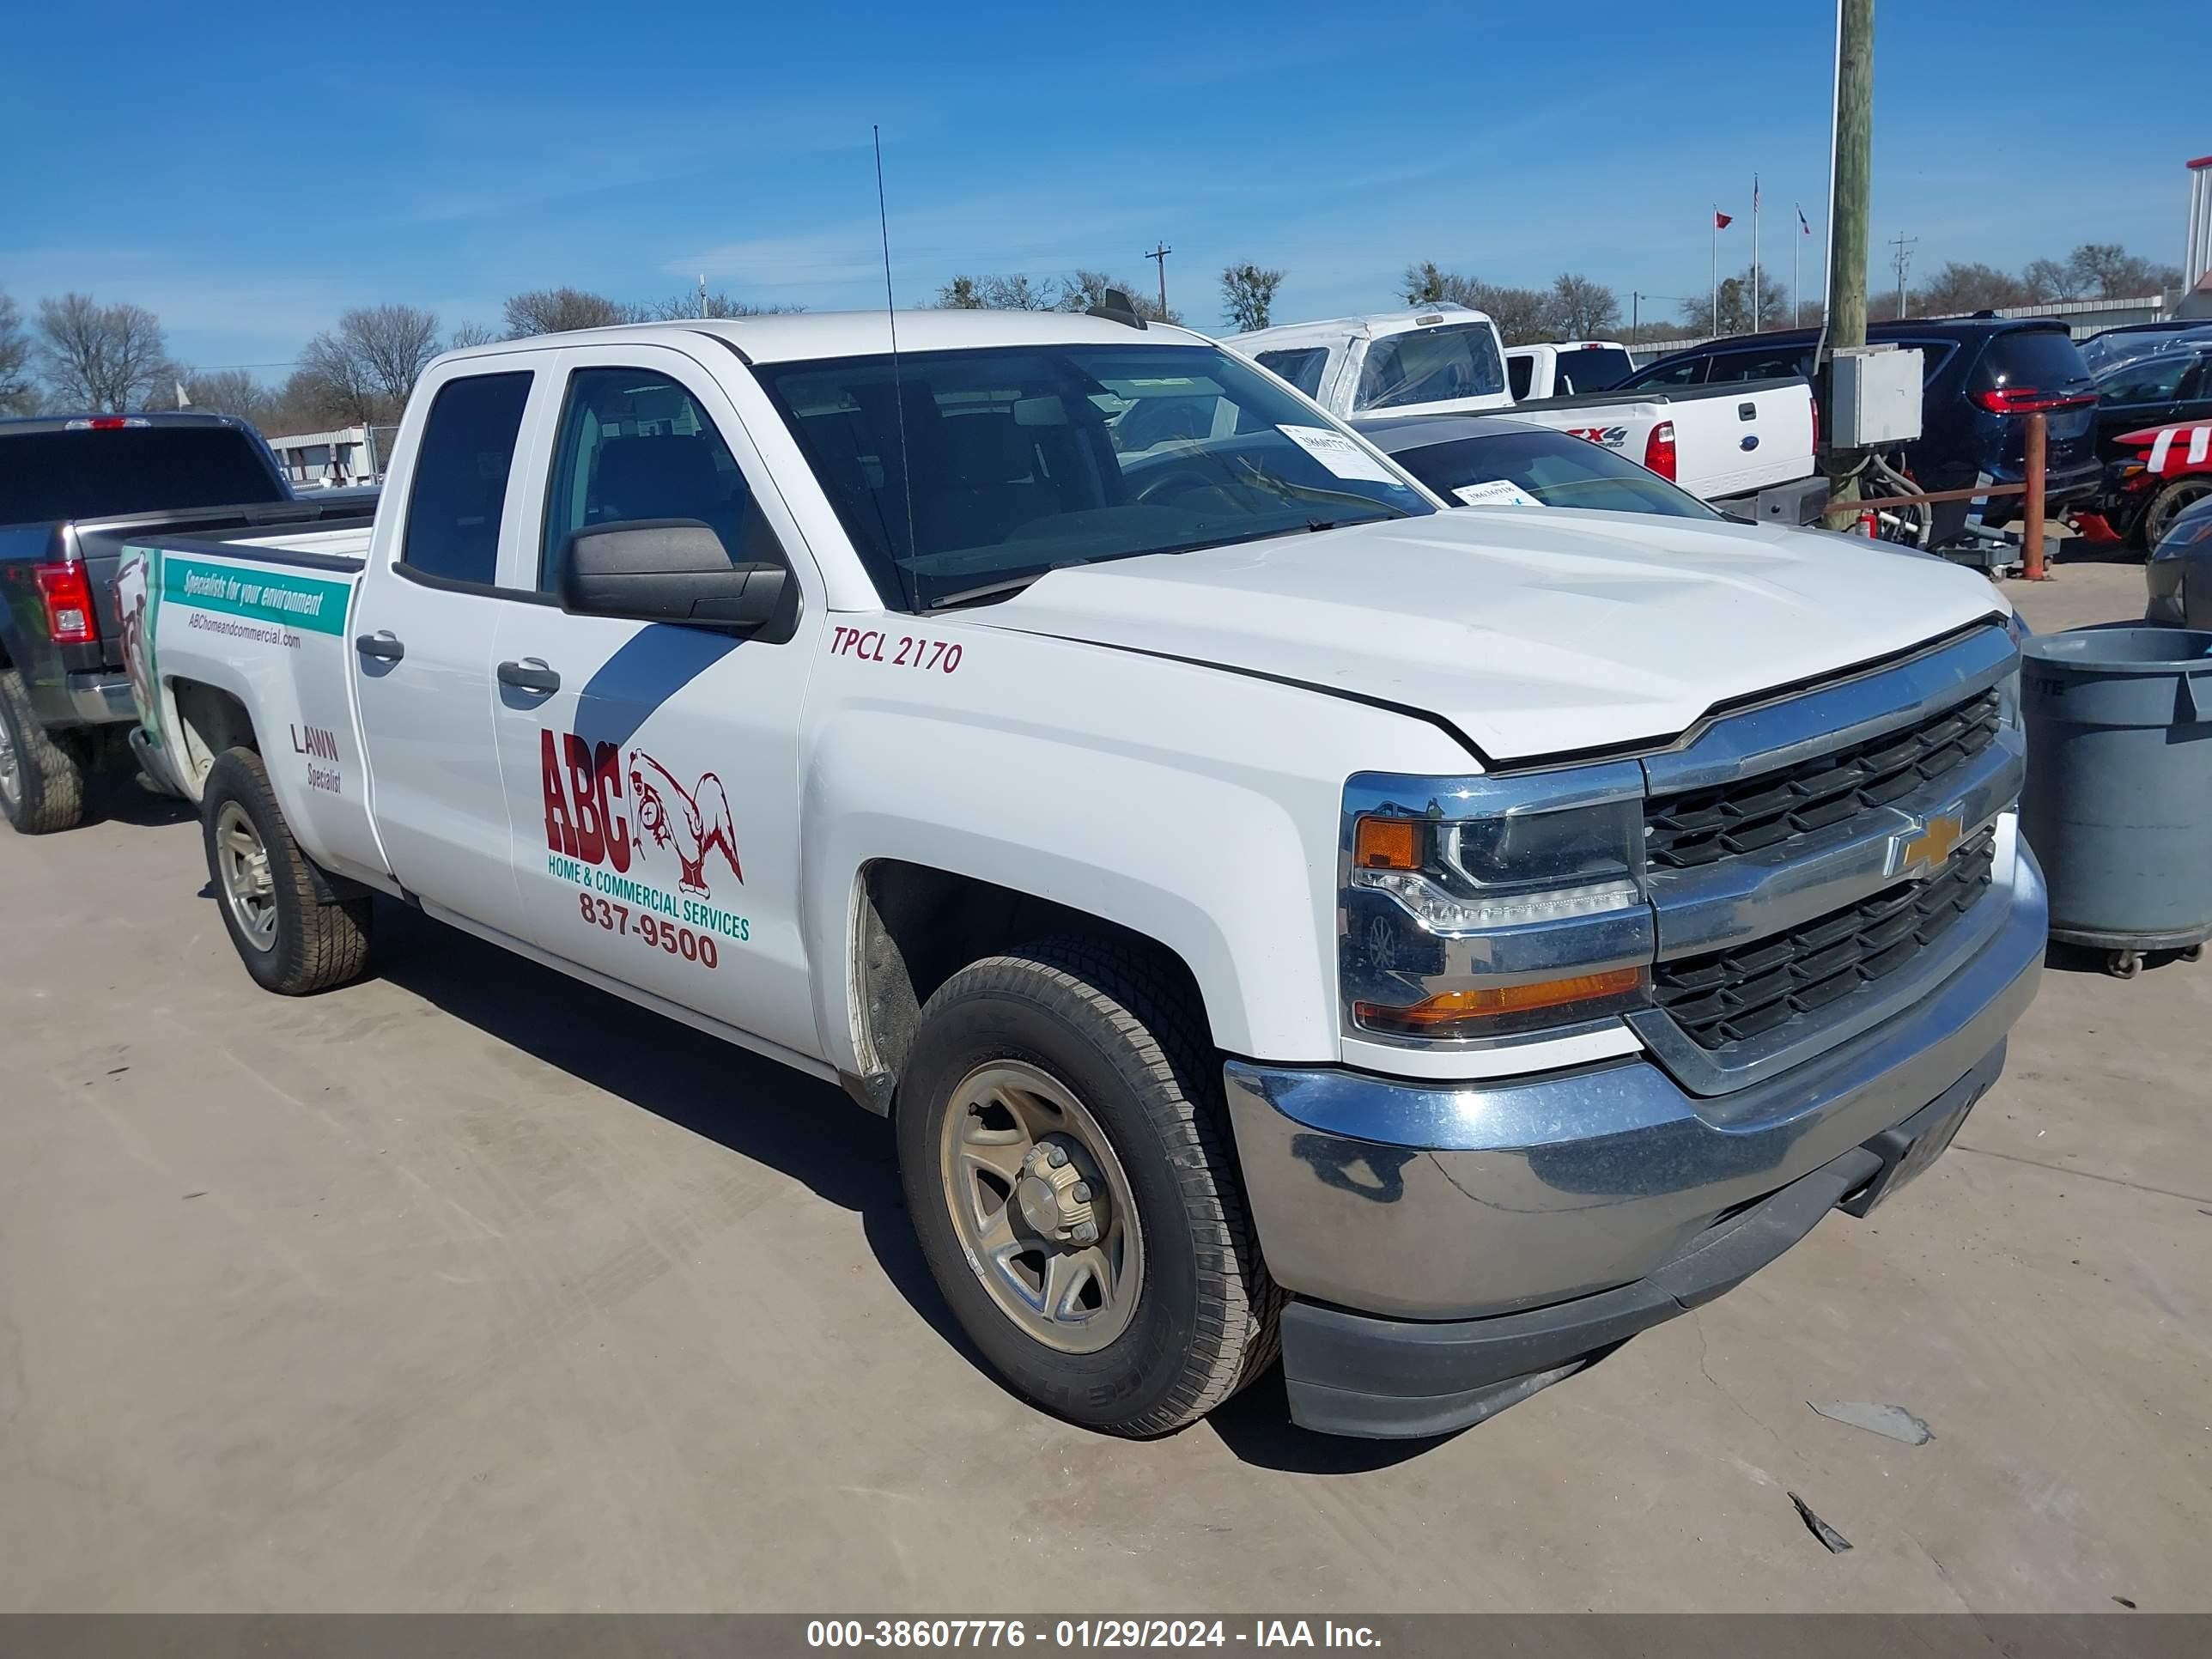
[{"x": 307, "y": 603}]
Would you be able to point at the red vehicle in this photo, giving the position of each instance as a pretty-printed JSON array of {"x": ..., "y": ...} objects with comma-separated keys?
[{"x": 2169, "y": 471}]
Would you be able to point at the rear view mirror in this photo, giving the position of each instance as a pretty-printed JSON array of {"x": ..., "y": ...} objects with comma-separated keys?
[{"x": 667, "y": 570}]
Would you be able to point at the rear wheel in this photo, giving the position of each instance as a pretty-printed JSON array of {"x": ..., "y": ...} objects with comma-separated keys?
[
  {"x": 292, "y": 940},
  {"x": 41, "y": 781},
  {"x": 1066, "y": 1161}
]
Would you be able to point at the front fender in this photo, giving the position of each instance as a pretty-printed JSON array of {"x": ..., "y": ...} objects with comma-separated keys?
[{"x": 1196, "y": 808}]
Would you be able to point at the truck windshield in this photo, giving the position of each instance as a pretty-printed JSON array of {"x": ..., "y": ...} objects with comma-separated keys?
[
  {"x": 46, "y": 477},
  {"x": 967, "y": 474},
  {"x": 1431, "y": 366}
]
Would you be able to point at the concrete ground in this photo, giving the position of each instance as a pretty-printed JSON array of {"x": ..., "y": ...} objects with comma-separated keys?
[{"x": 468, "y": 1287}]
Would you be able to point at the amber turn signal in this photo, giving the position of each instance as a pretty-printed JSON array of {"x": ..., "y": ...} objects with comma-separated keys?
[
  {"x": 1428, "y": 1016},
  {"x": 1387, "y": 844}
]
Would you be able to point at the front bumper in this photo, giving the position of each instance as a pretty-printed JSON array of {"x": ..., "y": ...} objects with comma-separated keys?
[{"x": 1454, "y": 1248}]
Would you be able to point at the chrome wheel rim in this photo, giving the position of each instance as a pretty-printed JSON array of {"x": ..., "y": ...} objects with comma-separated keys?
[
  {"x": 1043, "y": 1207},
  {"x": 241, "y": 864},
  {"x": 10, "y": 778}
]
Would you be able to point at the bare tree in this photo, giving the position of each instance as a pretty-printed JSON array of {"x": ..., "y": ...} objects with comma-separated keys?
[
  {"x": 1959, "y": 287},
  {"x": 1735, "y": 316},
  {"x": 470, "y": 334},
  {"x": 18, "y": 395},
  {"x": 109, "y": 358},
  {"x": 391, "y": 344},
  {"x": 2117, "y": 274},
  {"x": 1583, "y": 308},
  {"x": 1248, "y": 294},
  {"x": 337, "y": 381},
  {"x": 226, "y": 391},
  {"x": 690, "y": 304},
  {"x": 1523, "y": 315},
  {"x": 1015, "y": 293},
  {"x": 1086, "y": 290},
  {"x": 558, "y": 310},
  {"x": 2048, "y": 280}
]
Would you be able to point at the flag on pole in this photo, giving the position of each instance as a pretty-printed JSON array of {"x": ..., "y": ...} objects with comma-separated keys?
[
  {"x": 1722, "y": 221},
  {"x": 184, "y": 397},
  {"x": 1754, "y": 193},
  {"x": 1802, "y": 223}
]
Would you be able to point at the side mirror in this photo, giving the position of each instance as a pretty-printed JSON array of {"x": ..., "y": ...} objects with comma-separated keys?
[{"x": 667, "y": 570}]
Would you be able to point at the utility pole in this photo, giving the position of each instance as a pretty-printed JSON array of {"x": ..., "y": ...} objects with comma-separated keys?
[
  {"x": 1158, "y": 256},
  {"x": 1851, "y": 193},
  {"x": 702, "y": 293},
  {"x": 1635, "y": 314},
  {"x": 1901, "y": 261}
]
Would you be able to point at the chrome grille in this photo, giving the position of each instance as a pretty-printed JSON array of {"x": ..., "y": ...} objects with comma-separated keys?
[
  {"x": 1750, "y": 990},
  {"x": 1703, "y": 826}
]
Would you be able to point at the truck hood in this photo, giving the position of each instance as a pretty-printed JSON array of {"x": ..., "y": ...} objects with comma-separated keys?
[{"x": 1533, "y": 633}]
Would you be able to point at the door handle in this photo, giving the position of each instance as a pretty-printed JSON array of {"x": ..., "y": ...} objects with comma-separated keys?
[
  {"x": 531, "y": 674},
  {"x": 381, "y": 645}
]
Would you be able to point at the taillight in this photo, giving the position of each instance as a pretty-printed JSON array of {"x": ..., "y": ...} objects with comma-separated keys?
[
  {"x": 104, "y": 423},
  {"x": 1815, "y": 402},
  {"x": 1659, "y": 449},
  {"x": 2028, "y": 400},
  {"x": 70, "y": 619}
]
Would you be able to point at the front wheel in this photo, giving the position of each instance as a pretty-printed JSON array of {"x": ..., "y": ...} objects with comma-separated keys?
[
  {"x": 292, "y": 940},
  {"x": 1066, "y": 1161}
]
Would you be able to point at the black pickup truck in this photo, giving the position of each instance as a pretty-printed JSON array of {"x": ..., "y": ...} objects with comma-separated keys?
[{"x": 73, "y": 491}]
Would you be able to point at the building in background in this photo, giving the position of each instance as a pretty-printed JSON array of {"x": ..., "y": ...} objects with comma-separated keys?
[{"x": 335, "y": 460}]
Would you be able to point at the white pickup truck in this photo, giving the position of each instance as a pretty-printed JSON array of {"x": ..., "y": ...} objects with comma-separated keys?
[
  {"x": 1746, "y": 448},
  {"x": 1275, "y": 912}
]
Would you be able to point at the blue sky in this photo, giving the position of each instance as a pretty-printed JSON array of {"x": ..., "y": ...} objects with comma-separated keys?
[{"x": 253, "y": 172}]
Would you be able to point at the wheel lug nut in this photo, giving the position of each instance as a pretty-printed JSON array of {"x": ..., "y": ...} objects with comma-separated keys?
[
  {"x": 1057, "y": 1157},
  {"x": 1086, "y": 1232},
  {"x": 1082, "y": 1191}
]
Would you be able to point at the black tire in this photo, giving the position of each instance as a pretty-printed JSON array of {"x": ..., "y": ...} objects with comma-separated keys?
[
  {"x": 2169, "y": 504},
  {"x": 1130, "y": 1043},
  {"x": 318, "y": 943},
  {"x": 48, "y": 778}
]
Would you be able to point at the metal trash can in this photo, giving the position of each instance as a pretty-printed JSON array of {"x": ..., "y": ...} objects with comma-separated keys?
[{"x": 2118, "y": 802}]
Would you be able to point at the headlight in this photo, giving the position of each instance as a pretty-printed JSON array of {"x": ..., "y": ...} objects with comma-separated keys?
[{"x": 1473, "y": 909}]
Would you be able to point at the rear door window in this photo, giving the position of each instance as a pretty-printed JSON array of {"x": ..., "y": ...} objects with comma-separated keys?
[
  {"x": 460, "y": 492},
  {"x": 1431, "y": 366},
  {"x": 1690, "y": 371},
  {"x": 1769, "y": 364},
  {"x": 1301, "y": 367}
]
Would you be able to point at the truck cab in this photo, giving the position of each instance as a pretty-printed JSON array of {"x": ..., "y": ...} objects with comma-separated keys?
[
  {"x": 1277, "y": 914},
  {"x": 1440, "y": 358}
]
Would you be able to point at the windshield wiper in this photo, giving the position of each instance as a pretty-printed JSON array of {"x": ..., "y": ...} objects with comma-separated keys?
[{"x": 987, "y": 590}]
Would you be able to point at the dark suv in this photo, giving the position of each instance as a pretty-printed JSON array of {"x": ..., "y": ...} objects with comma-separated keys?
[{"x": 1981, "y": 377}]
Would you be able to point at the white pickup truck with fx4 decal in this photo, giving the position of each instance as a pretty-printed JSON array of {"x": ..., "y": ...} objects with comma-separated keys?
[{"x": 1277, "y": 913}]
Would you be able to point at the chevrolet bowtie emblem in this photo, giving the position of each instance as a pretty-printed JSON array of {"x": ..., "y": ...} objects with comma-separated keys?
[{"x": 1922, "y": 853}]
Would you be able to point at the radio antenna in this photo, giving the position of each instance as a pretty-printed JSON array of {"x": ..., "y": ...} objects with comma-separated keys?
[{"x": 891, "y": 311}]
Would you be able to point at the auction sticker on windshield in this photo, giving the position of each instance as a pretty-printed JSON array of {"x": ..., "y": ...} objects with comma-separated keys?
[
  {"x": 1495, "y": 492},
  {"x": 1346, "y": 459}
]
